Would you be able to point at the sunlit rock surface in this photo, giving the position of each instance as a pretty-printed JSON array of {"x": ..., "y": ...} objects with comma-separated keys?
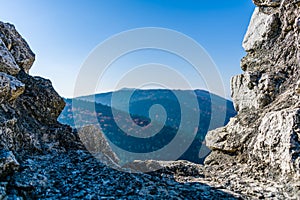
[
  {"x": 255, "y": 156},
  {"x": 263, "y": 140}
]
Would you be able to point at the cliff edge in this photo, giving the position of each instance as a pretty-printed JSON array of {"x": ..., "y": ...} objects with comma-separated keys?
[{"x": 264, "y": 138}]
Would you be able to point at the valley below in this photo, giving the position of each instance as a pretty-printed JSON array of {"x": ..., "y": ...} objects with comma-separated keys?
[
  {"x": 137, "y": 114},
  {"x": 56, "y": 148}
]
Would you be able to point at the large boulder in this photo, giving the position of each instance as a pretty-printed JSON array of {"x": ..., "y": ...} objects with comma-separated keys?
[
  {"x": 17, "y": 46},
  {"x": 39, "y": 99},
  {"x": 96, "y": 143}
]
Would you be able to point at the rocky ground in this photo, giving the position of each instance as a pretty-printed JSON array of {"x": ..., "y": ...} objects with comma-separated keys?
[
  {"x": 256, "y": 156},
  {"x": 76, "y": 174},
  {"x": 42, "y": 159}
]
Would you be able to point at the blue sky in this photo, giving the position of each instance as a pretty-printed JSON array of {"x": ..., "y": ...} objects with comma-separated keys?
[{"x": 62, "y": 33}]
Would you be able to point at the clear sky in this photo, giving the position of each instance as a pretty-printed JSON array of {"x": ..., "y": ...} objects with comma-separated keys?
[{"x": 62, "y": 33}]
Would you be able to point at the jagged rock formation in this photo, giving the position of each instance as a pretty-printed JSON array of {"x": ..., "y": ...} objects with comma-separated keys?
[
  {"x": 29, "y": 107},
  {"x": 15, "y": 48},
  {"x": 43, "y": 159},
  {"x": 257, "y": 155},
  {"x": 265, "y": 135}
]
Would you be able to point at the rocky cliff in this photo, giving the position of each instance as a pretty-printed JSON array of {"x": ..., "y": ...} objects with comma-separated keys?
[
  {"x": 43, "y": 159},
  {"x": 257, "y": 155},
  {"x": 264, "y": 138}
]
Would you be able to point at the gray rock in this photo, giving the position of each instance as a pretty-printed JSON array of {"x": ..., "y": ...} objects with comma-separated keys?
[
  {"x": 219, "y": 139},
  {"x": 17, "y": 46},
  {"x": 253, "y": 90},
  {"x": 262, "y": 142},
  {"x": 256, "y": 156},
  {"x": 267, "y": 2},
  {"x": 7, "y": 62},
  {"x": 40, "y": 99},
  {"x": 10, "y": 88},
  {"x": 262, "y": 27},
  {"x": 8, "y": 163},
  {"x": 277, "y": 141},
  {"x": 96, "y": 143},
  {"x": 244, "y": 92},
  {"x": 75, "y": 174}
]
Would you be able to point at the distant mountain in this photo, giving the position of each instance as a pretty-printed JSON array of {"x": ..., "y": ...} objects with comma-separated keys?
[{"x": 110, "y": 108}]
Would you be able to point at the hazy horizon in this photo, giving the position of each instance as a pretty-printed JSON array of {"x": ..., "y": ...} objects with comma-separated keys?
[
  {"x": 175, "y": 89},
  {"x": 65, "y": 32}
]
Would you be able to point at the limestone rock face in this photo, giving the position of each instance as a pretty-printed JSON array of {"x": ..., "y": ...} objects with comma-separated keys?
[
  {"x": 272, "y": 3},
  {"x": 219, "y": 139},
  {"x": 40, "y": 99},
  {"x": 29, "y": 106},
  {"x": 243, "y": 96},
  {"x": 7, "y": 62},
  {"x": 277, "y": 142},
  {"x": 256, "y": 156},
  {"x": 17, "y": 46},
  {"x": 10, "y": 88},
  {"x": 264, "y": 136},
  {"x": 265, "y": 25}
]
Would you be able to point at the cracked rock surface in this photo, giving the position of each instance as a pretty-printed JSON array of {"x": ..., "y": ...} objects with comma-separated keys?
[
  {"x": 264, "y": 136},
  {"x": 256, "y": 156}
]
